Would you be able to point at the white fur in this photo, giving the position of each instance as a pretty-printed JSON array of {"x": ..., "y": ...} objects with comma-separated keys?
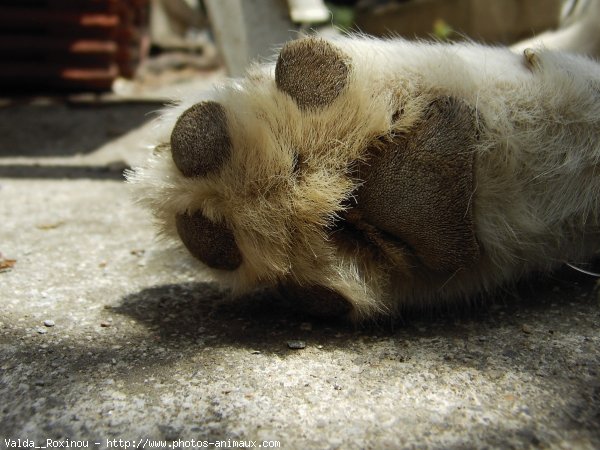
[
  {"x": 579, "y": 30},
  {"x": 537, "y": 192}
]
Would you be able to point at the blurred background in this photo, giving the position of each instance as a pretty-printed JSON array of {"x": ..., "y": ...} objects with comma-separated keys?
[{"x": 138, "y": 49}]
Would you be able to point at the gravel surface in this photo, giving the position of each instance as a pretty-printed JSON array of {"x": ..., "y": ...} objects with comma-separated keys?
[{"x": 105, "y": 334}]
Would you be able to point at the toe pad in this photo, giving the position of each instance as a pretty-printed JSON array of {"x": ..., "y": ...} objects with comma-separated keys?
[
  {"x": 311, "y": 71},
  {"x": 210, "y": 242},
  {"x": 200, "y": 141}
]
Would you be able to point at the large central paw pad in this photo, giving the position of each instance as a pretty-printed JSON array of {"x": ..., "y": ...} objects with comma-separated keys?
[{"x": 418, "y": 188}]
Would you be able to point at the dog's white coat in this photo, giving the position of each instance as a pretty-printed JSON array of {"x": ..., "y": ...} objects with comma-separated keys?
[{"x": 537, "y": 168}]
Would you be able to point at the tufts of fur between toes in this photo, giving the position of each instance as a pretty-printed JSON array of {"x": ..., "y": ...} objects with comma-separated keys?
[{"x": 361, "y": 176}]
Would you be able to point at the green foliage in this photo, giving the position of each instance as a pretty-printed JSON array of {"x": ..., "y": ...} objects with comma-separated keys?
[
  {"x": 343, "y": 16},
  {"x": 442, "y": 30}
]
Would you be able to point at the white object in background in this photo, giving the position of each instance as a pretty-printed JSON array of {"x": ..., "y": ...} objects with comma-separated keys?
[
  {"x": 308, "y": 11},
  {"x": 247, "y": 30},
  {"x": 171, "y": 22}
]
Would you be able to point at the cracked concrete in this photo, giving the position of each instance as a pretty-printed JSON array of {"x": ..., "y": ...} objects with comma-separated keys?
[{"x": 140, "y": 347}]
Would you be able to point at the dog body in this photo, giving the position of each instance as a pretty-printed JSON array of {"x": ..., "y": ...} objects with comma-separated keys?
[
  {"x": 578, "y": 30},
  {"x": 360, "y": 176}
]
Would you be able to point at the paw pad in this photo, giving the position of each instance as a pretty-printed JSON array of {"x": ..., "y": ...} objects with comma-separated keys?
[
  {"x": 318, "y": 301},
  {"x": 312, "y": 71},
  {"x": 419, "y": 187},
  {"x": 200, "y": 141},
  {"x": 210, "y": 242}
]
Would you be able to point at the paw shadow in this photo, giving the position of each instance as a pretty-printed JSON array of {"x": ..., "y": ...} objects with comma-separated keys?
[
  {"x": 265, "y": 321},
  {"x": 261, "y": 321}
]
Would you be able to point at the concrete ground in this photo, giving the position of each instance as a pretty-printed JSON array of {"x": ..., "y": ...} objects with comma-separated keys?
[{"x": 105, "y": 335}]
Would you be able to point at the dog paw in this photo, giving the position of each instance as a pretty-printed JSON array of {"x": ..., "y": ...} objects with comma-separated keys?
[{"x": 316, "y": 175}]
